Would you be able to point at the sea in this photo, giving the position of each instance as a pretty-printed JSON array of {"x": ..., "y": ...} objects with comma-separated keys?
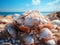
[{"x": 12, "y": 13}]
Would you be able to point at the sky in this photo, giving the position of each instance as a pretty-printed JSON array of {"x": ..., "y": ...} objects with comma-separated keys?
[{"x": 24, "y": 5}]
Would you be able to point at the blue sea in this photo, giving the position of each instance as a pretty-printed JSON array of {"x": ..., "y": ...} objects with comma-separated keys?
[{"x": 12, "y": 13}]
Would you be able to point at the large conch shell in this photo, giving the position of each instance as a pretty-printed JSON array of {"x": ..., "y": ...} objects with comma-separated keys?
[{"x": 32, "y": 19}]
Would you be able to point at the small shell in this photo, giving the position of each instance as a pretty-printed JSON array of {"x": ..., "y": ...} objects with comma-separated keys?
[
  {"x": 57, "y": 22},
  {"x": 46, "y": 33},
  {"x": 18, "y": 18},
  {"x": 51, "y": 42},
  {"x": 29, "y": 40}
]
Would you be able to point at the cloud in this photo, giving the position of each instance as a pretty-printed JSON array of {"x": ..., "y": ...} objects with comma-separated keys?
[
  {"x": 50, "y": 8},
  {"x": 58, "y": 7},
  {"x": 35, "y": 2},
  {"x": 53, "y": 2}
]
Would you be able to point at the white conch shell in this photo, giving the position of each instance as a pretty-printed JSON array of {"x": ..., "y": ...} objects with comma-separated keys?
[{"x": 32, "y": 19}]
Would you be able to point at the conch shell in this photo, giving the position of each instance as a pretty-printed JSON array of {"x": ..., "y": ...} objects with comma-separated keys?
[{"x": 32, "y": 19}]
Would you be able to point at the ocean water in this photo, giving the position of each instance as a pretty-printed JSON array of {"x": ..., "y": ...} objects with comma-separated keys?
[{"x": 12, "y": 13}]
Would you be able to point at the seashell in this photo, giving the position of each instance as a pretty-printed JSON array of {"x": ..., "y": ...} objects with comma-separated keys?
[
  {"x": 18, "y": 18},
  {"x": 46, "y": 33},
  {"x": 10, "y": 29},
  {"x": 51, "y": 42},
  {"x": 28, "y": 40},
  {"x": 57, "y": 22},
  {"x": 32, "y": 19}
]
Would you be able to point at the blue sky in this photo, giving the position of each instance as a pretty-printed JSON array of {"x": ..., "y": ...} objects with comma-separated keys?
[{"x": 24, "y": 5}]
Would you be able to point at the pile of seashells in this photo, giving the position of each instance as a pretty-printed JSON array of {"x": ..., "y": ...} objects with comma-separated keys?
[{"x": 30, "y": 28}]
